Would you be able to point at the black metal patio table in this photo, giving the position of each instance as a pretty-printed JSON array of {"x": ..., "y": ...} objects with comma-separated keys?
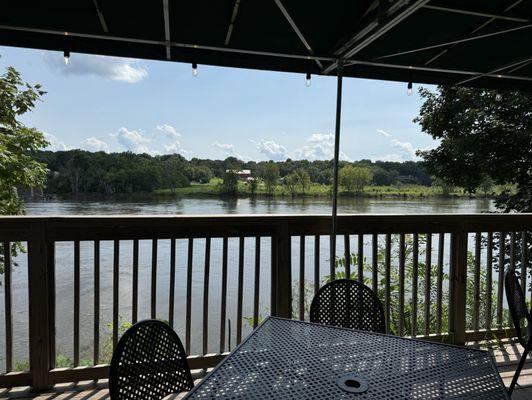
[{"x": 287, "y": 359}]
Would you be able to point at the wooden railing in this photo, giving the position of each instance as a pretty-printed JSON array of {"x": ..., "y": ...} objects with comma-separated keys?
[{"x": 437, "y": 275}]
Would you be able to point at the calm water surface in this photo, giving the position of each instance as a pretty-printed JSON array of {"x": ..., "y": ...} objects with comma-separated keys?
[{"x": 172, "y": 206}]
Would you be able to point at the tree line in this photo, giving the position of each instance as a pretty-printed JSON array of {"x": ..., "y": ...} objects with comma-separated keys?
[{"x": 77, "y": 172}]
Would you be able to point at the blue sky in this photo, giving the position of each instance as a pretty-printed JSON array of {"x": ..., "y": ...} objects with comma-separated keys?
[{"x": 116, "y": 104}]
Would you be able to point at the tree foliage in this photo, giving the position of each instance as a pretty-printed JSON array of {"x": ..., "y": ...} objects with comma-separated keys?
[
  {"x": 270, "y": 175},
  {"x": 18, "y": 143},
  {"x": 480, "y": 138},
  {"x": 354, "y": 178}
]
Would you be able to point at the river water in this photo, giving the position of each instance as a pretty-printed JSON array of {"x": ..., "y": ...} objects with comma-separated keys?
[{"x": 192, "y": 206}]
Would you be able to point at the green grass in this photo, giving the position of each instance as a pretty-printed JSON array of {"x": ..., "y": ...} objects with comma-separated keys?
[{"x": 318, "y": 190}]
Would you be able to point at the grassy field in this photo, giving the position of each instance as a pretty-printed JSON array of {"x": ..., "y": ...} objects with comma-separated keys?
[{"x": 317, "y": 190}]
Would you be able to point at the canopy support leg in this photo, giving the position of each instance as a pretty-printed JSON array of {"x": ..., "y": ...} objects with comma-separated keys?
[{"x": 340, "y": 70}]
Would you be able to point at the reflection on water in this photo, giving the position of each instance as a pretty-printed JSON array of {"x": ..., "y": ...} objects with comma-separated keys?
[{"x": 157, "y": 204}]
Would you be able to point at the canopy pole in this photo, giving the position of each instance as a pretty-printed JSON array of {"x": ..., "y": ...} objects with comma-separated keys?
[{"x": 340, "y": 70}]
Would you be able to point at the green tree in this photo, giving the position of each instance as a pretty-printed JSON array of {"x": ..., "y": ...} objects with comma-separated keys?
[
  {"x": 201, "y": 174},
  {"x": 486, "y": 186},
  {"x": 480, "y": 137},
  {"x": 270, "y": 176},
  {"x": 18, "y": 145},
  {"x": 253, "y": 185},
  {"x": 354, "y": 178},
  {"x": 291, "y": 182},
  {"x": 446, "y": 188},
  {"x": 303, "y": 179},
  {"x": 229, "y": 184}
]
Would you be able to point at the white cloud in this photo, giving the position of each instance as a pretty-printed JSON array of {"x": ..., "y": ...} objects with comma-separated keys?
[
  {"x": 175, "y": 147},
  {"x": 114, "y": 68},
  {"x": 389, "y": 157},
  {"x": 170, "y": 131},
  {"x": 407, "y": 150},
  {"x": 95, "y": 144},
  {"x": 405, "y": 146},
  {"x": 272, "y": 150},
  {"x": 229, "y": 150},
  {"x": 54, "y": 144},
  {"x": 133, "y": 141},
  {"x": 320, "y": 147}
]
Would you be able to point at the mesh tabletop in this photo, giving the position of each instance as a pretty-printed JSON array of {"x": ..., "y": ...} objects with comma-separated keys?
[{"x": 285, "y": 359}]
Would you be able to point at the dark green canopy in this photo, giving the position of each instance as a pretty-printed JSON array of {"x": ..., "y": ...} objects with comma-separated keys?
[{"x": 476, "y": 42}]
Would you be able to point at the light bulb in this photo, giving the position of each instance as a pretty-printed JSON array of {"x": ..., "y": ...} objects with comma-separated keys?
[
  {"x": 194, "y": 69},
  {"x": 308, "y": 82},
  {"x": 498, "y": 97},
  {"x": 409, "y": 90},
  {"x": 66, "y": 55}
]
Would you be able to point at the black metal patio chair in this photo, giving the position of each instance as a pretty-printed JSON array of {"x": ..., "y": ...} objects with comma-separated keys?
[
  {"x": 348, "y": 304},
  {"x": 521, "y": 319},
  {"x": 149, "y": 362}
]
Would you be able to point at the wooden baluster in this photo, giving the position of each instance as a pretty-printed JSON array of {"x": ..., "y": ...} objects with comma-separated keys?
[
  {"x": 281, "y": 273},
  {"x": 347, "y": 256},
  {"x": 439, "y": 283},
  {"x": 7, "y": 306},
  {"x": 428, "y": 268},
  {"x": 240, "y": 294},
  {"x": 489, "y": 280},
  {"x": 96, "y": 327},
  {"x": 76, "y": 301},
  {"x": 500, "y": 281},
  {"x": 401, "y": 284},
  {"x": 415, "y": 281},
  {"x": 256, "y": 292},
  {"x": 189, "y": 295},
  {"x": 387, "y": 279},
  {"x": 476, "y": 282},
  {"x": 206, "y": 277},
  {"x": 135, "y": 291},
  {"x": 316, "y": 264},
  {"x": 360, "y": 273},
  {"x": 224, "y": 295},
  {"x": 154, "y": 279},
  {"x": 116, "y": 278},
  {"x": 171, "y": 297},
  {"x": 458, "y": 287},
  {"x": 41, "y": 288},
  {"x": 375, "y": 263},
  {"x": 302, "y": 278}
]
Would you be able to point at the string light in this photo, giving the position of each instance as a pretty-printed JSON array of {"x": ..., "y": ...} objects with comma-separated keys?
[
  {"x": 194, "y": 69},
  {"x": 66, "y": 55},
  {"x": 498, "y": 96},
  {"x": 409, "y": 90},
  {"x": 307, "y": 82}
]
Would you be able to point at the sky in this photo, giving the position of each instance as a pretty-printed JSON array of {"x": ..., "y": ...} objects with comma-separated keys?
[{"x": 113, "y": 104}]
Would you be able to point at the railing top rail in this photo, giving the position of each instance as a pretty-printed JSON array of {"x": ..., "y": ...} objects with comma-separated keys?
[{"x": 108, "y": 227}]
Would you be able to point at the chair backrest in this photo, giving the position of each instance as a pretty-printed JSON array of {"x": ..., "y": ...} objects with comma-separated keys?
[
  {"x": 518, "y": 309},
  {"x": 149, "y": 362},
  {"x": 349, "y": 304}
]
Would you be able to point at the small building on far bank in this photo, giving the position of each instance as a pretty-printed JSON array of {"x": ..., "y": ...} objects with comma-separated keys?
[{"x": 243, "y": 174}]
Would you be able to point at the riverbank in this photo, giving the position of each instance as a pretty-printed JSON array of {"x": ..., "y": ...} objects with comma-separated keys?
[{"x": 317, "y": 190}]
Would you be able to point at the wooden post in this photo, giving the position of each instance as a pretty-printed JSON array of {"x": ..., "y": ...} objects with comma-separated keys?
[
  {"x": 458, "y": 287},
  {"x": 281, "y": 300},
  {"x": 41, "y": 306}
]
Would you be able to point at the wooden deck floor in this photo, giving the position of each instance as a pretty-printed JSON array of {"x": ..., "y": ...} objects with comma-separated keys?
[{"x": 506, "y": 356}]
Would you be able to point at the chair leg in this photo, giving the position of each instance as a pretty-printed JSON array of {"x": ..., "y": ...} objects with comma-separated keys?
[{"x": 518, "y": 371}]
